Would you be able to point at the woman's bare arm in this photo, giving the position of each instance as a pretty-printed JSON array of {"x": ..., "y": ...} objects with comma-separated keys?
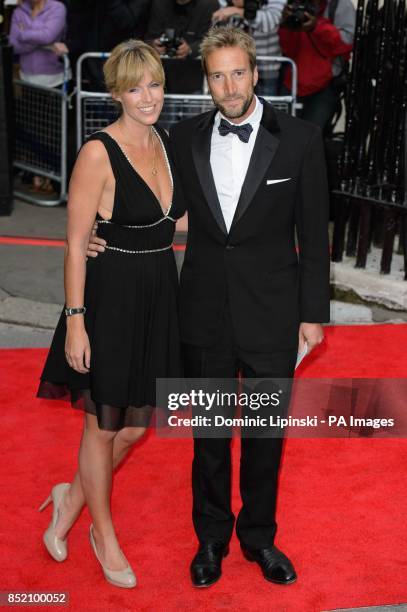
[{"x": 85, "y": 190}]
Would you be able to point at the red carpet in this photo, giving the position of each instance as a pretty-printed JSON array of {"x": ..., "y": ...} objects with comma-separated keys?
[{"x": 342, "y": 506}]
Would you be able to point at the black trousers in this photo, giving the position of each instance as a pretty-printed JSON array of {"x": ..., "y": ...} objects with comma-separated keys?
[{"x": 260, "y": 457}]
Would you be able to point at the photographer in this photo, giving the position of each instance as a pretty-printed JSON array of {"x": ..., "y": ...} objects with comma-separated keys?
[
  {"x": 318, "y": 36},
  {"x": 264, "y": 29},
  {"x": 190, "y": 19},
  {"x": 175, "y": 30}
]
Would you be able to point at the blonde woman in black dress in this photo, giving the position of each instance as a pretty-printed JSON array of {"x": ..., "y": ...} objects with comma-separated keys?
[{"x": 119, "y": 331}]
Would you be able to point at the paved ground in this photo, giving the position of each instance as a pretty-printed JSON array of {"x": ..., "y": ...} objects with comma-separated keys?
[{"x": 31, "y": 280}]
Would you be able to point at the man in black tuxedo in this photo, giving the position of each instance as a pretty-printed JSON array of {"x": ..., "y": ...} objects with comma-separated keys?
[{"x": 252, "y": 178}]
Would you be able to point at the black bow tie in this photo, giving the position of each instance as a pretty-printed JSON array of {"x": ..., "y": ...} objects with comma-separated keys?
[{"x": 242, "y": 131}]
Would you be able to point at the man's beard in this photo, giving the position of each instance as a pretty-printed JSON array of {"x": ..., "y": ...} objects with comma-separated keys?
[{"x": 238, "y": 112}]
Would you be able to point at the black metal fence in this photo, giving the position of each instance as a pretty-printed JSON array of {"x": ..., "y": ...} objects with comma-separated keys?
[{"x": 371, "y": 201}]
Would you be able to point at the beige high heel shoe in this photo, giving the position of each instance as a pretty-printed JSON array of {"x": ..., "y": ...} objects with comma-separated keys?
[
  {"x": 121, "y": 578},
  {"x": 57, "y": 548}
]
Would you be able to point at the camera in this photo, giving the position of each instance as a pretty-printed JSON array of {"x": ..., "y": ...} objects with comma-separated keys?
[
  {"x": 251, "y": 7},
  {"x": 296, "y": 20},
  {"x": 250, "y": 12},
  {"x": 234, "y": 21},
  {"x": 171, "y": 40}
]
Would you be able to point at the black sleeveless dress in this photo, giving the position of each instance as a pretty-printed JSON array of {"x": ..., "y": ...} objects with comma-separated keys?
[{"x": 131, "y": 295}]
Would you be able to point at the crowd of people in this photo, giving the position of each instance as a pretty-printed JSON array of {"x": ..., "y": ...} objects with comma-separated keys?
[{"x": 316, "y": 34}]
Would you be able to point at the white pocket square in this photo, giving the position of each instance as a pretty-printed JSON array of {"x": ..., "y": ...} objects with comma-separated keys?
[{"x": 274, "y": 181}]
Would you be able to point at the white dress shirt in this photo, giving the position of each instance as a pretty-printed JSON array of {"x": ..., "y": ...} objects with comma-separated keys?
[{"x": 230, "y": 158}]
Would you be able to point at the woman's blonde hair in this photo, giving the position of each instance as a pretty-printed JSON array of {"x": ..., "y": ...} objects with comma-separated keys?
[
  {"x": 127, "y": 64},
  {"x": 227, "y": 36}
]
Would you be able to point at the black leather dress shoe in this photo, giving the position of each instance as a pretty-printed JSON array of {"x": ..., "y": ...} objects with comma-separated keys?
[
  {"x": 206, "y": 566},
  {"x": 276, "y": 567}
]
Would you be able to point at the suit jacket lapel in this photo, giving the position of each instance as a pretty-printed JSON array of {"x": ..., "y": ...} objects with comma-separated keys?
[
  {"x": 265, "y": 148},
  {"x": 201, "y": 152}
]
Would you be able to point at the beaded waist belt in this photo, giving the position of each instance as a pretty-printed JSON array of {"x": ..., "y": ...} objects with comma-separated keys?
[
  {"x": 111, "y": 248},
  {"x": 136, "y": 227}
]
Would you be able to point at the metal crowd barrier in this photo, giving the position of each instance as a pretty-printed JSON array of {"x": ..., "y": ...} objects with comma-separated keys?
[
  {"x": 95, "y": 110},
  {"x": 41, "y": 135}
]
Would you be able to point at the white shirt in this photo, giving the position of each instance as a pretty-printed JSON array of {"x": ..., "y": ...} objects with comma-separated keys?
[
  {"x": 230, "y": 158},
  {"x": 45, "y": 80}
]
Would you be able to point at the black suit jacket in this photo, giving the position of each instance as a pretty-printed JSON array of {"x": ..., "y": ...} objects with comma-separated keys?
[{"x": 271, "y": 288}]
